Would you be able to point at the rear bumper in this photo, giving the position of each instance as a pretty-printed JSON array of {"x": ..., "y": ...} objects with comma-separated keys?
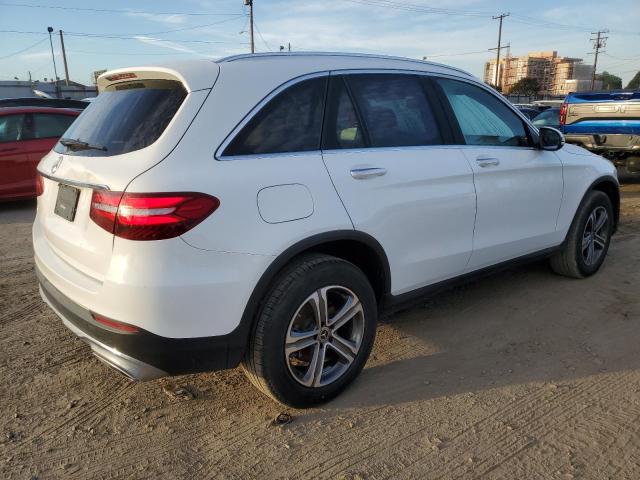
[
  {"x": 144, "y": 355},
  {"x": 627, "y": 143}
]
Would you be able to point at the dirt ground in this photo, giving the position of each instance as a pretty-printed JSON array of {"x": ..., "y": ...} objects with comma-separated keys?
[{"x": 521, "y": 375}]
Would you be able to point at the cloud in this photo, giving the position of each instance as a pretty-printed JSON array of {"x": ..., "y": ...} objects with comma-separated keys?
[
  {"x": 157, "y": 42},
  {"x": 175, "y": 19},
  {"x": 38, "y": 55}
]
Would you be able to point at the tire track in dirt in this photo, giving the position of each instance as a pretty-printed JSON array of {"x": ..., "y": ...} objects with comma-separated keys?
[
  {"x": 391, "y": 417},
  {"x": 391, "y": 445},
  {"x": 537, "y": 414}
]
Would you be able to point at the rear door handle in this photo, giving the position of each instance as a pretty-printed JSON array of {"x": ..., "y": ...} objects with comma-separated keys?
[
  {"x": 484, "y": 161},
  {"x": 367, "y": 172}
]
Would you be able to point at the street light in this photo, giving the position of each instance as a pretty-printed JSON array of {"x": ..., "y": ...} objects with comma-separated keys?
[{"x": 53, "y": 57}]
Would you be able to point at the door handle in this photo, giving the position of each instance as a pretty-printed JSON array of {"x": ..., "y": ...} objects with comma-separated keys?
[
  {"x": 2, "y": 150},
  {"x": 484, "y": 161},
  {"x": 368, "y": 172}
]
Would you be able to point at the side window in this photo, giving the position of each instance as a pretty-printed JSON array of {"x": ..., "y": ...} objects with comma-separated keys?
[
  {"x": 395, "y": 110},
  {"x": 11, "y": 128},
  {"x": 342, "y": 127},
  {"x": 290, "y": 122},
  {"x": 483, "y": 119},
  {"x": 50, "y": 125}
]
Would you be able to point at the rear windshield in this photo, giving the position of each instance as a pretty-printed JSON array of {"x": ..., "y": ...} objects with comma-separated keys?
[{"x": 124, "y": 118}]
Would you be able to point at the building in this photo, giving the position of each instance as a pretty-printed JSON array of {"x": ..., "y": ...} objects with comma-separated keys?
[
  {"x": 556, "y": 75},
  {"x": 25, "y": 88}
]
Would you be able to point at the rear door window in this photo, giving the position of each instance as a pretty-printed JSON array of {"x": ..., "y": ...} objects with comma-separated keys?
[
  {"x": 50, "y": 125},
  {"x": 483, "y": 118},
  {"x": 395, "y": 110},
  {"x": 11, "y": 128},
  {"x": 126, "y": 117},
  {"x": 290, "y": 122}
]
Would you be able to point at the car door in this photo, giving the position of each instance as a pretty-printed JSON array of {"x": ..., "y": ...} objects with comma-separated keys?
[
  {"x": 47, "y": 128},
  {"x": 519, "y": 186},
  {"x": 14, "y": 159},
  {"x": 41, "y": 133},
  {"x": 383, "y": 145}
]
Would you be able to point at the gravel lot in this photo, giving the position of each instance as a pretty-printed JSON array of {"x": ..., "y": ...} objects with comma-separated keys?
[{"x": 520, "y": 375}]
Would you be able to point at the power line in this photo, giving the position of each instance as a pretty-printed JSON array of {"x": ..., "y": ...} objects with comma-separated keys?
[
  {"x": 262, "y": 38},
  {"x": 419, "y": 8},
  {"x": 455, "y": 54},
  {"x": 524, "y": 19},
  {"x": 114, "y": 10},
  {"x": 24, "y": 49},
  {"x": 117, "y": 37}
]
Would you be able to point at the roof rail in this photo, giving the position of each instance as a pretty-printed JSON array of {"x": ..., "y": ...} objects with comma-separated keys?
[{"x": 245, "y": 56}]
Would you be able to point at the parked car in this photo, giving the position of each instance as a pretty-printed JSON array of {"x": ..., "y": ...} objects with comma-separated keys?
[
  {"x": 607, "y": 123},
  {"x": 26, "y": 135},
  {"x": 548, "y": 118},
  {"x": 265, "y": 209},
  {"x": 530, "y": 113},
  {"x": 44, "y": 102}
]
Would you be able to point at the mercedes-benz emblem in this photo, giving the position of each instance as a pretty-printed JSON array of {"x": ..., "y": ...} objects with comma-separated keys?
[{"x": 56, "y": 165}]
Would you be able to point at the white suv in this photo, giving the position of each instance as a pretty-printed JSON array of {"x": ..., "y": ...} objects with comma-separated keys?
[{"x": 265, "y": 209}]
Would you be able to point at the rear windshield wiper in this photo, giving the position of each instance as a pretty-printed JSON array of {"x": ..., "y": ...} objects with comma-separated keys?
[{"x": 75, "y": 145}]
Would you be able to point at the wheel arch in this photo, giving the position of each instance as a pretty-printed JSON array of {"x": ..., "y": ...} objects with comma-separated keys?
[
  {"x": 610, "y": 187},
  {"x": 359, "y": 248}
]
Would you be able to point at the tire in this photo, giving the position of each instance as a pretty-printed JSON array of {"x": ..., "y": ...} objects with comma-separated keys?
[
  {"x": 288, "y": 319},
  {"x": 574, "y": 261}
]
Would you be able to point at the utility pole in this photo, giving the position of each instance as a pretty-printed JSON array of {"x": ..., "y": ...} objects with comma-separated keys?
[
  {"x": 64, "y": 57},
  {"x": 249, "y": 3},
  {"x": 507, "y": 70},
  {"x": 53, "y": 57},
  {"x": 500, "y": 17},
  {"x": 598, "y": 43}
]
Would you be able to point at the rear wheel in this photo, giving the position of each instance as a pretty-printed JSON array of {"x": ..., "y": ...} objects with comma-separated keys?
[
  {"x": 314, "y": 333},
  {"x": 588, "y": 239}
]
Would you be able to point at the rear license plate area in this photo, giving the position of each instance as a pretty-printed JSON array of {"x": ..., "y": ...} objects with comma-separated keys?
[{"x": 67, "y": 202}]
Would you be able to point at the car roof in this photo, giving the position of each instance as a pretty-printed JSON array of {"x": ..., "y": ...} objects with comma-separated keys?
[
  {"x": 200, "y": 74},
  {"x": 341, "y": 60},
  {"x": 63, "y": 111}
]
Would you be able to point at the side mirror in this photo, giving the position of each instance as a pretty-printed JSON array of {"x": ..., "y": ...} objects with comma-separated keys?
[{"x": 550, "y": 139}]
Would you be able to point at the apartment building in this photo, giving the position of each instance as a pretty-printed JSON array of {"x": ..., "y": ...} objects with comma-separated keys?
[{"x": 556, "y": 74}]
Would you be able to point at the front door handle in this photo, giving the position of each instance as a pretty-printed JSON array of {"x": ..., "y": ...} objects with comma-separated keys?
[
  {"x": 368, "y": 172},
  {"x": 484, "y": 161}
]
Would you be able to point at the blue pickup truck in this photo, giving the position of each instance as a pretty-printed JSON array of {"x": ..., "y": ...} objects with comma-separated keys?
[{"x": 606, "y": 123}]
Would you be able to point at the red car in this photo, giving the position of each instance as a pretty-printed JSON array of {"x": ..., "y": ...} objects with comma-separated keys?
[{"x": 26, "y": 135}]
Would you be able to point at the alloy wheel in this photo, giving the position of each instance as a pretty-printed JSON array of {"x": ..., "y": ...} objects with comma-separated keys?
[
  {"x": 595, "y": 236},
  {"x": 324, "y": 336}
]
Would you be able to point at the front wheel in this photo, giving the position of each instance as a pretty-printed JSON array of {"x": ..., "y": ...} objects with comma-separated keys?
[
  {"x": 588, "y": 239},
  {"x": 314, "y": 332}
]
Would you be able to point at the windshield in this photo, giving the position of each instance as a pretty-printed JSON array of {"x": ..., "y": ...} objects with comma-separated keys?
[{"x": 124, "y": 118}]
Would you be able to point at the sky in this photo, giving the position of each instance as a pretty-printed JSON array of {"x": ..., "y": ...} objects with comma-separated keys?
[{"x": 453, "y": 32}]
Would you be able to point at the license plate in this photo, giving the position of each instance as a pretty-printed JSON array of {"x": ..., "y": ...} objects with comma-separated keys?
[{"x": 67, "y": 202}]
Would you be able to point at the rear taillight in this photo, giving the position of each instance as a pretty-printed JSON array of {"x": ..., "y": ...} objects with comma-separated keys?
[
  {"x": 150, "y": 216},
  {"x": 39, "y": 185},
  {"x": 563, "y": 113},
  {"x": 112, "y": 324}
]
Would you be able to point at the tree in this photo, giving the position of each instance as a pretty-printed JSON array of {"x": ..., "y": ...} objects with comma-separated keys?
[
  {"x": 609, "y": 81},
  {"x": 497, "y": 89},
  {"x": 526, "y": 86},
  {"x": 635, "y": 82}
]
